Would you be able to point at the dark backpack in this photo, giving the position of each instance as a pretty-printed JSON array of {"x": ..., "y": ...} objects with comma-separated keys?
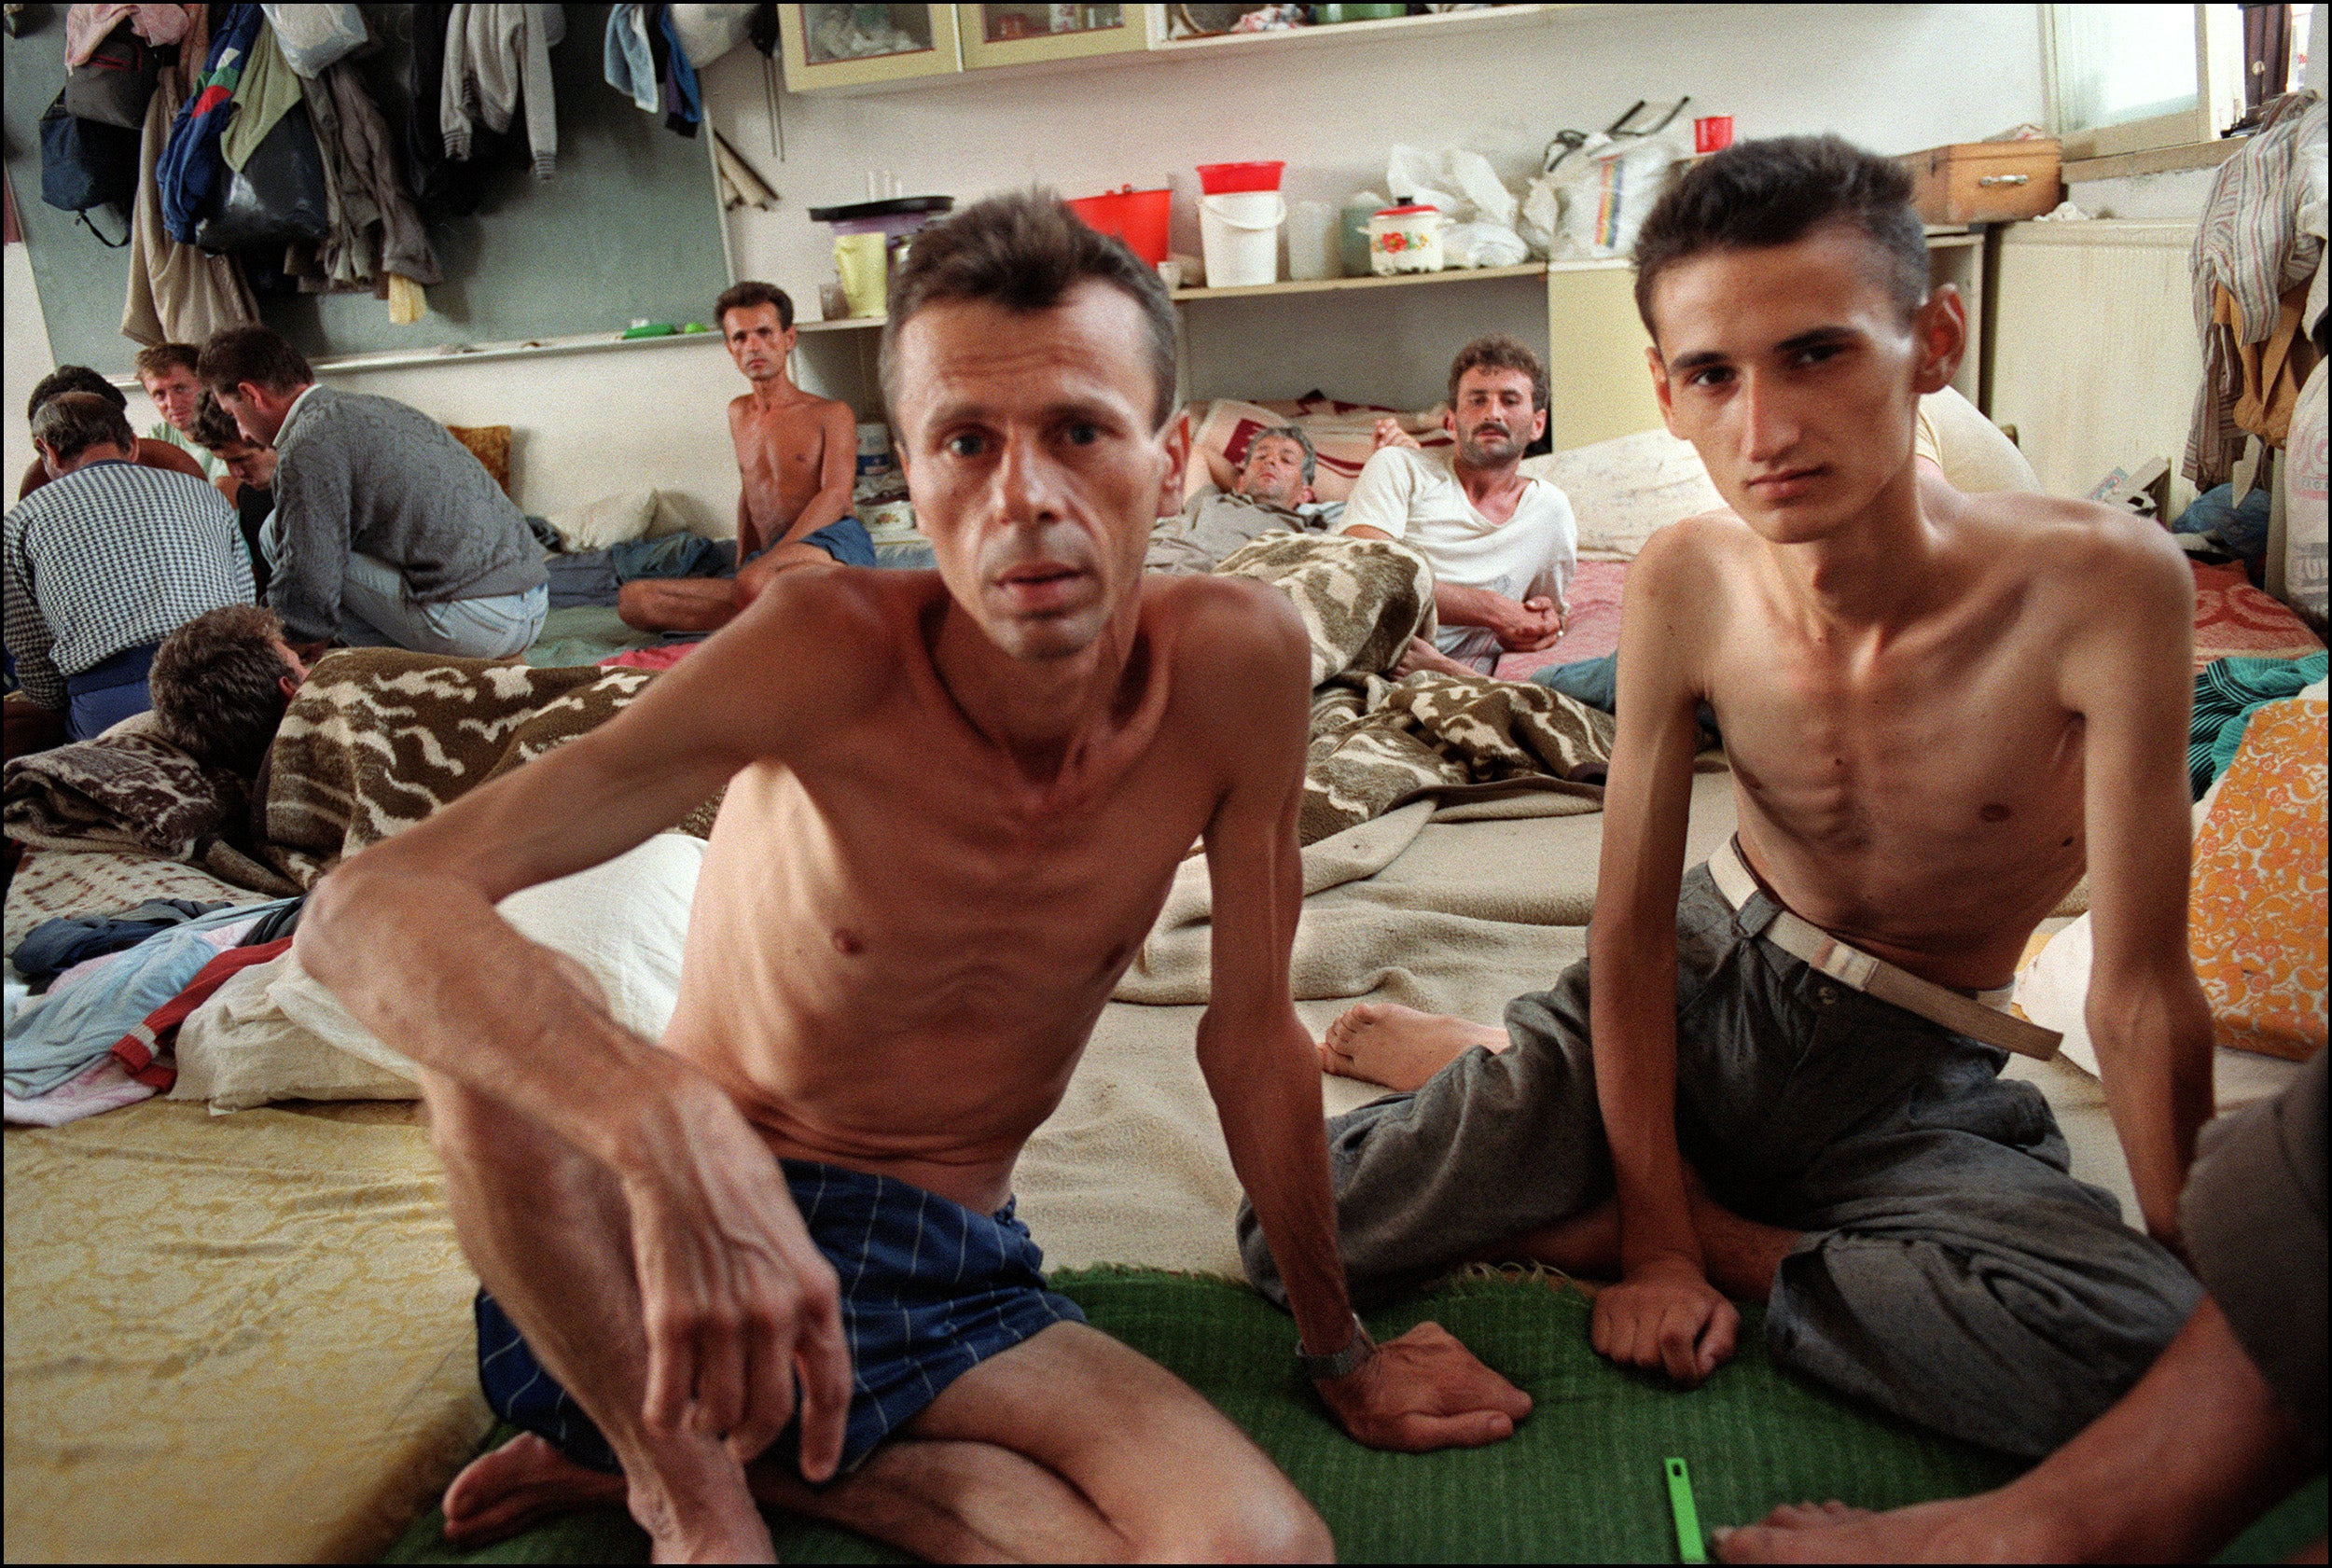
[
  {"x": 113, "y": 85},
  {"x": 87, "y": 163}
]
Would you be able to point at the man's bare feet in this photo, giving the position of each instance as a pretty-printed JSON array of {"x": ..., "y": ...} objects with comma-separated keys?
[
  {"x": 1400, "y": 1047},
  {"x": 500, "y": 1493},
  {"x": 1422, "y": 654},
  {"x": 1961, "y": 1530}
]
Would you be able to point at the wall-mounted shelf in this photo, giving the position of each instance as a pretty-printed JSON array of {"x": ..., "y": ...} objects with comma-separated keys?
[
  {"x": 848, "y": 323},
  {"x": 1324, "y": 285}
]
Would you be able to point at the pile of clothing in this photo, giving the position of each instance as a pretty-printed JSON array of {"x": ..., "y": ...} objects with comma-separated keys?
[{"x": 116, "y": 988}]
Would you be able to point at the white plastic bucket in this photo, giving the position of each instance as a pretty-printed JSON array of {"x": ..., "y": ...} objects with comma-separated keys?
[
  {"x": 1313, "y": 248},
  {"x": 1239, "y": 233}
]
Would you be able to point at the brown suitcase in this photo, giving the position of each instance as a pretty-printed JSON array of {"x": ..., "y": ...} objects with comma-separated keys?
[{"x": 1984, "y": 182}]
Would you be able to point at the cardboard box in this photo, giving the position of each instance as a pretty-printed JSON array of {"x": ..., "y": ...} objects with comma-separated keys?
[{"x": 1985, "y": 182}]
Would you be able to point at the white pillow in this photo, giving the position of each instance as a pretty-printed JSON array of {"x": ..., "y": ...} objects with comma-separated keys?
[
  {"x": 1624, "y": 489},
  {"x": 274, "y": 1033},
  {"x": 612, "y": 520}
]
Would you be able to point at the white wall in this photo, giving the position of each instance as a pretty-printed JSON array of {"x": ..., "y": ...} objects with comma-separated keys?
[
  {"x": 27, "y": 359},
  {"x": 585, "y": 426},
  {"x": 1892, "y": 78},
  {"x": 2176, "y": 195}
]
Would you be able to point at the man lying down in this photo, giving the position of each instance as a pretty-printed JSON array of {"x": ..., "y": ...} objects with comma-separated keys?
[
  {"x": 955, "y": 803},
  {"x": 1783, "y": 1083}
]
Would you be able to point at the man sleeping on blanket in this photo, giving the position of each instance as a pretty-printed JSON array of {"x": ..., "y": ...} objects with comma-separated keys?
[
  {"x": 1783, "y": 1082},
  {"x": 955, "y": 803}
]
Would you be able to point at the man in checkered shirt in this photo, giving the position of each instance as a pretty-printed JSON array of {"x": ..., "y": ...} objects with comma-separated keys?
[{"x": 106, "y": 561}]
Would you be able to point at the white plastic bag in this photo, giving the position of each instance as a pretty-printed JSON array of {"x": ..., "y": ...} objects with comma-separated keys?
[
  {"x": 313, "y": 37},
  {"x": 1479, "y": 183},
  {"x": 1481, "y": 244},
  {"x": 1477, "y": 209},
  {"x": 1540, "y": 221},
  {"x": 1607, "y": 188},
  {"x": 1416, "y": 177}
]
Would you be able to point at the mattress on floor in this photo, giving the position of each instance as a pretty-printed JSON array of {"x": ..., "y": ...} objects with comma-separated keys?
[
  {"x": 248, "y": 1337},
  {"x": 231, "y": 1338}
]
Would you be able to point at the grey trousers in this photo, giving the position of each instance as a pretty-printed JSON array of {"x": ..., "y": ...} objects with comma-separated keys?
[{"x": 1949, "y": 1270}]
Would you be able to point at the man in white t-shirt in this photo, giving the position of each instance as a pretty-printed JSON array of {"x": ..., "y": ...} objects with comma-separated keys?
[{"x": 1502, "y": 546}]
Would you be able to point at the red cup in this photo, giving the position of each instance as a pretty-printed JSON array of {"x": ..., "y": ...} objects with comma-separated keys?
[{"x": 1711, "y": 133}]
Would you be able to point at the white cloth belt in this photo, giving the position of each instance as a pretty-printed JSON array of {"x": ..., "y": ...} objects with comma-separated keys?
[{"x": 1980, "y": 1016}]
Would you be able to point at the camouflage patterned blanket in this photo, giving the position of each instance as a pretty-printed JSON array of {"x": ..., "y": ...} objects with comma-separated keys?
[
  {"x": 380, "y": 738},
  {"x": 1377, "y": 743},
  {"x": 375, "y": 741}
]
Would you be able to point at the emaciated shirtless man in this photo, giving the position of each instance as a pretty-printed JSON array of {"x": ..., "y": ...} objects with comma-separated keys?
[
  {"x": 798, "y": 458},
  {"x": 1939, "y": 708},
  {"x": 955, "y": 803}
]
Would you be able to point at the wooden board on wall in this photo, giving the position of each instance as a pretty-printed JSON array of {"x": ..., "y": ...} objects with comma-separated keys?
[
  {"x": 1597, "y": 384},
  {"x": 627, "y": 229}
]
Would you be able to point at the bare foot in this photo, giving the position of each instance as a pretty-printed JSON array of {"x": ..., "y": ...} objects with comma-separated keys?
[
  {"x": 500, "y": 1493},
  {"x": 1961, "y": 1530},
  {"x": 1400, "y": 1047},
  {"x": 1422, "y": 654}
]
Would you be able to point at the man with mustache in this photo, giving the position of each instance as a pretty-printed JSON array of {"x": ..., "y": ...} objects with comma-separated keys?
[
  {"x": 1502, "y": 546},
  {"x": 955, "y": 802},
  {"x": 796, "y": 459}
]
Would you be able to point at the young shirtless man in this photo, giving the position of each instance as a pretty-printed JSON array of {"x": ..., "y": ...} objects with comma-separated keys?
[
  {"x": 1939, "y": 709},
  {"x": 798, "y": 456},
  {"x": 955, "y": 803}
]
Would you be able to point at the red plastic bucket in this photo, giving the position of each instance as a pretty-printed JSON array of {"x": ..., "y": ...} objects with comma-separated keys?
[
  {"x": 1222, "y": 179},
  {"x": 1136, "y": 217}
]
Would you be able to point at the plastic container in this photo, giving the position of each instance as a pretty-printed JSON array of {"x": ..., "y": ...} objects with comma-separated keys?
[
  {"x": 1239, "y": 233},
  {"x": 1224, "y": 179},
  {"x": 1329, "y": 14},
  {"x": 1405, "y": 240},
  {"x": 865, "y": 270},
  {"x": 1136, "y": 217},
  {"x": 1313, "y": 248},
  {"x": 1351, "y": 233}
]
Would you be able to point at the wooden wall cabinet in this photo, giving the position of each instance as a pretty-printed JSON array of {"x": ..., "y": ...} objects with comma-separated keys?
[
  {"x": 1026, "y": 34},
  {"x": 825, "y": 44}
]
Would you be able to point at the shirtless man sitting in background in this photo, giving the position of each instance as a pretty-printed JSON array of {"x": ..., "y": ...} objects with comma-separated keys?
[
  {"x": 798, "y": 459},
  {"x": 1939, "y": 708},
  {"x": 955, "y": 803}
]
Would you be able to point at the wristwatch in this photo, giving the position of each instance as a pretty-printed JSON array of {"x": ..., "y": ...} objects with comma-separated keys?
[{"x": 1324, "y": 1368}]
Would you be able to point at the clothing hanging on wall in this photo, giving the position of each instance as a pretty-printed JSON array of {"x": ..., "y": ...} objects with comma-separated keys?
[
  {"x": 190, "y": 164},
  {"x": 495, "y": 57},
  {"x": 178, "y": 294},
  {"x": 87, "y": 26},
  {"x": 442, "y": 186},
  {"x": 628, "y": 63},
  {"x": 269, "y": 87},
  {"x": 2249, "y": 247}
]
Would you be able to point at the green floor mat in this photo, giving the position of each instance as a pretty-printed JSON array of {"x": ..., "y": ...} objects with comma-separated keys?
[
  {"x": 585, "y": 635},
  {"x": 1581, "y": 1481}
]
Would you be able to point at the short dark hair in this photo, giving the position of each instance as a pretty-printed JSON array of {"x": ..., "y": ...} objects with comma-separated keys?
[
  {"x": 167, "y": 356},
  {"x": 1776, "y": 191},
  {"x": 73, "y": 378},
  {"x": 1499, "y": 350},
  {"x": 254, "y": 354},
  {"x": 1286, "y": 433},
  {"x": 1025, "y": 251},
  {"x": 213, "y": 686},
  {"x": 750, "y": 293},
  {"x": 71, "y": 423},
  {"x": 214, "y": 428}
]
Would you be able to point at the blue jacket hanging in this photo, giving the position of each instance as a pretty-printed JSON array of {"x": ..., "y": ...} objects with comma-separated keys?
[{"x": 190, "y": 164}]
